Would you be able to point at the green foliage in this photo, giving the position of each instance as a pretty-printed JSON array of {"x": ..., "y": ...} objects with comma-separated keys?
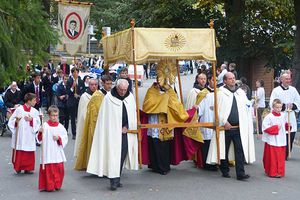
[
  {"x": 266, "y": 26},
  {"x": 25, "y": 34},
  {"x": 150, "y": 13},
  {"x": 268, "y": 31}
]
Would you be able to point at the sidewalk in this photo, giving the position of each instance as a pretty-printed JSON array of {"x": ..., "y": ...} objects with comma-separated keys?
[{"x": 297, "y": 138}]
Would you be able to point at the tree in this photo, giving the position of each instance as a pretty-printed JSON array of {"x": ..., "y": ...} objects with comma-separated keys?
[
  {"x": 246, "y": 29},
  {"x": 25, "y": 34},
  {"x": 234, "y": 45},
  {"x": 151, "y": 13}
]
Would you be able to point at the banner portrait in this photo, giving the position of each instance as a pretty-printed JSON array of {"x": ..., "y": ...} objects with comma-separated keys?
[{"x": 73, "y": 20}]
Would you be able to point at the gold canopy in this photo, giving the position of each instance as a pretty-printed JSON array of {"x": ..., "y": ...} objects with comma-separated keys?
[{"x": 160, "y": 43}]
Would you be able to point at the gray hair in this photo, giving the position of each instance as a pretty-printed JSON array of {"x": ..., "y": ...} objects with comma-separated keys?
[
  {"x": 122, "y": 82},
  {"x": 93, "y": 79},
  {"x": 285, "y": 72}
]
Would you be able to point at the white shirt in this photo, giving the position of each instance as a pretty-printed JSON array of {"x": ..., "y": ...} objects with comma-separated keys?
[
  {"x": 206, "y": 114},
  {"x": 221, "y": 75},
  {"x": 261, "y": 97},
  {"x": 153, "y": 132}
]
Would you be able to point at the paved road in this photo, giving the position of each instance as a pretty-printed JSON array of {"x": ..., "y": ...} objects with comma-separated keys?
[{"x": 184, "y": 182}]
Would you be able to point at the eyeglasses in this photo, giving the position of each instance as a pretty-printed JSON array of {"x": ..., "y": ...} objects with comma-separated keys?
[{"x": 54, "y": 115}]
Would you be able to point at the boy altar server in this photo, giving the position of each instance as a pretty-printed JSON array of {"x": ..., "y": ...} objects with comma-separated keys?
[
  {"x": 53, "y": 136},
  {"x": 274, "y": 130},
  {"x": 24, "y": 123}
]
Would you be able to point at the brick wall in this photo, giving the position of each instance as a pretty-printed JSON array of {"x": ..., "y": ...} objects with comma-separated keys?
[{"x": 257, "y": 72}]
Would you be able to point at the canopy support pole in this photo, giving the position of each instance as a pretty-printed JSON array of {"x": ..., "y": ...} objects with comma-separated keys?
[
  {"x": 179, "y": 81},
  {"x": 217, "y": 123},
  {"x": 132, "y": 24}
]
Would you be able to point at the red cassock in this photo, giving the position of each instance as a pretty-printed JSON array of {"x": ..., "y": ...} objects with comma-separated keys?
[
  {"x": 274, "y": 160},
  {"x": 51, "y": 178},
  {"x": 25, "y": 160},
  {"x": 274, "y": 156}
]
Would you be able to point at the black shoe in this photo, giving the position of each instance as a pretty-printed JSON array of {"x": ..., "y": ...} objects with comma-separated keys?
[
  {"x": 211, "y": 168},
  {"x": 243, "y": 177},
  {"x": 226, "y": 175},
  {"x": 119, "y": 185},
  {"x": 28, "y": 172},
  {"x": 163, "y": 172},
  {"x": 73, "y": 137},
  {"x": 113, "y": 187}
]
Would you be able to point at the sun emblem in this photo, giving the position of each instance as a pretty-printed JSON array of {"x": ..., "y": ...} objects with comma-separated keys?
[{"x": 175, "y": 42}]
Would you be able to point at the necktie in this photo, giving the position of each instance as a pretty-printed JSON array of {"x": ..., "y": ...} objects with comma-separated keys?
[
  {"x": 37, "y": 94},
  {"x": 64, "y": 68},
  {"x": 75, "y": 88}
]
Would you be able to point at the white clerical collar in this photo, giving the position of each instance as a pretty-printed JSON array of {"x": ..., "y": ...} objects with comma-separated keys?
[{"x": 210, "y": 89}]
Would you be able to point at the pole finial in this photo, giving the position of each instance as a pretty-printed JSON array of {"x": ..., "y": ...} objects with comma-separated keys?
[
  {"x": 211, "y": 23},
  {"x": 132, "y": 23}
]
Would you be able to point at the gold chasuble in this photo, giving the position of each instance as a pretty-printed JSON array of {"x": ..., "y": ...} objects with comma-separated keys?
[
  {"x": 167, "y": 106},
  {"x": 194, "y": 132},
  {"x": 88, "y": 131}
]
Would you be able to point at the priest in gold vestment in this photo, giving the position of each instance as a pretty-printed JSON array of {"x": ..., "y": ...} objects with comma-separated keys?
[
  {"x": 93, "y": 107},
  {"x": 162, "y": 106}
]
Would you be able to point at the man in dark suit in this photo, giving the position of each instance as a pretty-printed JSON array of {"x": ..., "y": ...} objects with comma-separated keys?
[
  {"x": 48, "y": 83},
  {"x": 62, "y": 98},
  {"x": 58, "y": 76},
  {"x": 36, "y": 88},
  {"x": 50, "y": 66},
  {"x": 72, "y": 26},
  {"x": 64, "y": 67},
  {"x": 75, "y": 88}
]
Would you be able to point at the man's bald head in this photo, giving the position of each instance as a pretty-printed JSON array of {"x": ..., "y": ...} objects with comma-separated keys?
[
  {"x": 229, "y": 79},
  {"x": 201, "y": 79}
]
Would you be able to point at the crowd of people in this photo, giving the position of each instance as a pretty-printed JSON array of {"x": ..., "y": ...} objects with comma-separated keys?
[{"x": 105, "y": 132}]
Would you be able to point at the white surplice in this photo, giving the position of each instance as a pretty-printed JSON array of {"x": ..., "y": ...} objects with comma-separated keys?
[
  {"x": 225, "y": 99},
  {"x": 53, "y": 152},
  {"x": 191, "y": 98},
  {"x": 286, "y": 96},
  {"x": 105, "y": 154},
  {"x": 26, "y": 133}
]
